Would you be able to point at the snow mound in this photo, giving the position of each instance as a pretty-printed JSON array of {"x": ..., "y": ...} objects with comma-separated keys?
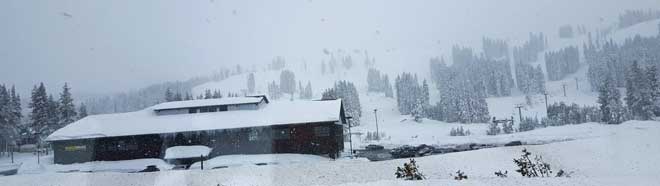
[
  {"x": 178, "y": 152},
  {"x": 259, "y": 159}
]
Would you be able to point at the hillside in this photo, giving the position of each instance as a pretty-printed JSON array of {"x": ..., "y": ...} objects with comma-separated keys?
[{"x": 400, "y": 129}]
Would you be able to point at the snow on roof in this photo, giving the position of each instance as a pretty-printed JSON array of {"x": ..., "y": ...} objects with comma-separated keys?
[
  {"x": 207, "y": 102},
  {"x": 147, "y": 122},
  {"x": 178, "y": 152}
]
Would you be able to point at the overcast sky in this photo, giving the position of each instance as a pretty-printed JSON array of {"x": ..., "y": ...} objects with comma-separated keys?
[{"x": 119, "y": 45}]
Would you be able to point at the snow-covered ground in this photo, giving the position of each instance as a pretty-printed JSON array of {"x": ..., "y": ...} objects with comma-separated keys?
[{"x": 606, "y": 155}]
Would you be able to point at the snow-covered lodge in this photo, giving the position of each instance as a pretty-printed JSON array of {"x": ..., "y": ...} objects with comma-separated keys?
[{"x": 242, "y": 125}]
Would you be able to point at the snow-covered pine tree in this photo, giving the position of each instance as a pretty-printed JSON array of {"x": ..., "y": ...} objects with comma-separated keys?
[
  {"x": 169, "y": 95},
  {"x": 308, "y": 91},
  {"x": 5, "y": 114},
  {"x": 654, "y": 88},
  {"x": 274, "y": 91},
  {"x": 67, "y": 109},
  {"x": 609, "y": 99},
  {"x": 188, "y": 97},
  {"x": 388, "y": 87},
  {"x": 425, "y": 97},
  {"x": 346, "y": 91},
  {"x": 287, "y": 82},
  {"x": 301, "y": 90},
  {"x": 418, "y": 111},
  {"x": 251, "y": 83},
  {"x": 82, "y": 111},
  {"x": 178, "y": 97},
  {"x": 39, "y": 116},
  {"x": 208, "y": 94},
  {"x": 15, "y": 111},
  {"x": 53, "y": 116}
]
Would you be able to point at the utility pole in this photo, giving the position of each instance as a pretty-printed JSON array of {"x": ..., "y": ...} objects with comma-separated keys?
[
  {"x": 377, "y": 132},
  {"x": 519, "y": 106},
  {"x": 38, "y": 146},
  {"x": 350, "y": 135},
  {"x": 563, "y": 85},
  {"x": 577, "y": 86},
  {"x": 546, "y": 99}
]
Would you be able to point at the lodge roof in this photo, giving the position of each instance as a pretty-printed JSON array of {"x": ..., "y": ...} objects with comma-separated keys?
[{"x": 148, "y": 122}]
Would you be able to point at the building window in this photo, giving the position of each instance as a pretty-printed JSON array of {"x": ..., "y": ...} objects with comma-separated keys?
[
  {"x": 222, "y": 108},
  {"x": 192, "y": 110},
  {"x": 213, "y": 109},
  {"x": 322, "y": 131},
  {"x": 253, "y": 135},
  {"x": 280, "y": 134},
  {"x": 203, "y": 110}
]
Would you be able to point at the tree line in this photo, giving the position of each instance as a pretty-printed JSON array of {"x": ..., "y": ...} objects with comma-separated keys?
[{"x": 47, "y": 113}]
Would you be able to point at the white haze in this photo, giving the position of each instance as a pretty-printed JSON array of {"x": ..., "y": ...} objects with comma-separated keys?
[{"x": 114, "y": 46}]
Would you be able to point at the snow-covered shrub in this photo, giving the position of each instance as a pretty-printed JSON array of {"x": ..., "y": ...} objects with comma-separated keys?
[
  {"x": 460, "y": 175},
  {"x": 562, "y": 173},
  {"x": 528, "y": 124},
  {"x": 409, "y": 171},
  {"x": 532, "y": 168},
  {"x": 372, "y": 136},
  {"x": 459, "y": 131},
  {"x": 493, "y": 129},
  {"x": 501, "y": 175},
  {"x": 507, "y": 128}
]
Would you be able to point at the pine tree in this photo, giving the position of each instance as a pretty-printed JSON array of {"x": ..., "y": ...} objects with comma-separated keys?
[
  {"x": 53, "y": 115},
  {"x": 15, "y": 108},
  {"x": 274, "y": 91},
  {"x": 301, "y": 91},
  {"x": 609, "y": 98},
  {"x": 66, "y": 108},
  {"x": 169, "y": 95},
  {"x": 287, "y": 82},
  {"x": 251, "y": 83},
  {"x": 5, "y": 113},
  {"x": 654, "y": 86},
  {"x": 346, "y": 91},
  {"x": 388, "y": 87},
  {"x": 425, "y": 94},
  {"x": 82, "y": 111},
  {"x": 308, "y": 91},
  {"x": 178, "y": 97},
  {"x": 208, "y": 94},
  {"x": 188, "y": 96},
  {"x": 39, "y": 116}
]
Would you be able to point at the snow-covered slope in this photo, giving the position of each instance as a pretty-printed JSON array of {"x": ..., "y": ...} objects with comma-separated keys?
[{"x": 399, "y": 129}]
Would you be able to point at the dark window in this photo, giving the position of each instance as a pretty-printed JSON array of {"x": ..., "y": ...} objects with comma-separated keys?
[
  {"x": 213, "y": 109},
  {"x": 253, "y": 135},
  {"x": 222, "y": 108},
  {"x": 192, "y": 110},
  {"x": 203, "y": 110},
  {"x": 322, "y": 131},
  {"x": 279, "y": 134}
]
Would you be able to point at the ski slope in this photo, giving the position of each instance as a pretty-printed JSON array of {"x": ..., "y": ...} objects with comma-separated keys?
[{"x": 400, "y": 129}]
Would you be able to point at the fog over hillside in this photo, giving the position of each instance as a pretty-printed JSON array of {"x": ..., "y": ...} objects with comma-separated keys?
[{"x": 103, "y": 47}]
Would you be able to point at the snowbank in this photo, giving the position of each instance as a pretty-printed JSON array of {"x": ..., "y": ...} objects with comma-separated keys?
[
  {"x": 178, "y": 152},
  {"x": 266, "y": 159}
]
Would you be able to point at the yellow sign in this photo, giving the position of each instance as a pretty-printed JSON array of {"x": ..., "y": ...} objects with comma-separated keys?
[{"x": 75, "y": 148}]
